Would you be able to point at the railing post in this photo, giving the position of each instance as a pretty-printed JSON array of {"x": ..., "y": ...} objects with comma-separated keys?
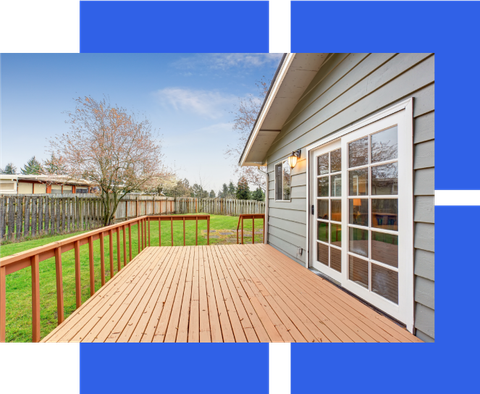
[
  {"x": 184, "y": 231},
  {"x": 208, "y": 230},
  {"x": 160, "y": 230},
  {"x": 139, "y": 234},
  {"x": 59, "y": 280},
  {"x": 148, "y": 223},
  {"x": 242, "y": 230},
  {"x": 196, "y": 230},
  {"x": 35, "y": 298},
  {"x": 171, "y": 228}
]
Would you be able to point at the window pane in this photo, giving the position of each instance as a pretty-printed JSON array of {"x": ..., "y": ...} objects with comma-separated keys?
[
  {"x": 322, "y": 253},
  {"x": 336, "y": 160},
  {"x": 358, "y": 152},
  {"x": 385, "y": 283},
  {"x": 384, "y": 145},
  {"x": 336, "y": 234},
  {"x": 358, "y": 241},
  {"x": 322, "y": 234},
  {"x": 385, "y": 248},
  {"x": 385, "y": 179},
  {"x": 385, "y": 213},
  {"x": 337, "y": 210},
  {"x": 323, "y": 186},
  {"x": 323, "y": 209},
  {"x": 323, "y": 164},
  {"x": 287, "y": 181},
  {"x": 358, "y": 271},
  {"x": 278, "y": 182},
  {"x": 358, "y": 182},
  {"x": 358, "y": 211},
  {"x": 336, "y": 186},
  {"x": 336, "y": 259}
]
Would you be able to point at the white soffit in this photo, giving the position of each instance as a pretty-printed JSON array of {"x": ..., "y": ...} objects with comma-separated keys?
[{"x": 290, "y": 84}]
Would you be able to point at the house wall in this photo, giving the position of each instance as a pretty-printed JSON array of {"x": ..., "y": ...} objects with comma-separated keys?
[{"x": 349, "y": 88}]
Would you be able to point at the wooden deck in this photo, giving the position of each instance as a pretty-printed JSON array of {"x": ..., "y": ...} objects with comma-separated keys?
[{"x": 226, "y": 293}]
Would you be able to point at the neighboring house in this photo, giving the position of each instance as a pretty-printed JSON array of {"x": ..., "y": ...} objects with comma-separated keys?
[
  {"x": 42, "y": 184},
  {"x": 358, "y": 207}
]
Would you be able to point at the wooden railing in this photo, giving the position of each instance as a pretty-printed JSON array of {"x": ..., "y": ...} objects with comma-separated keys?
[
  {"x": 32, "y": 258},
  {"x": 254, "y": 216}
]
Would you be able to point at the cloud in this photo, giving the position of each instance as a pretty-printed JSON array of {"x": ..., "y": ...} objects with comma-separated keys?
[
  {"x": 207, "y": 103},
  {"x": 225, "y": 61}
]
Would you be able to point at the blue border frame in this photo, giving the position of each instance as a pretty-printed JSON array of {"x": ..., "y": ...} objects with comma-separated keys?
[{"x": 452, "y": 31}]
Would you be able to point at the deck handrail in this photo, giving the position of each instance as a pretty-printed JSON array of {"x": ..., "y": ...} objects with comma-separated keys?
[
  {"x": 252, "y": 216},
  {"x": 33, "y": 257}
]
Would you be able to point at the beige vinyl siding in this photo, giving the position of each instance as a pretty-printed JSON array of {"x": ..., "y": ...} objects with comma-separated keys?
[
  {"x": 25, "y": 188},
  {"x": 349, "y": 88}
]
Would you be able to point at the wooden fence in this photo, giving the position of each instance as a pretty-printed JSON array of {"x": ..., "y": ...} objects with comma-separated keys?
[
  {"x": 218, "y": 206},
  {"x": 30, "y": 216}
]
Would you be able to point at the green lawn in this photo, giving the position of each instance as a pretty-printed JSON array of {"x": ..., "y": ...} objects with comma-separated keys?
[{"x": 19, "y": 302}]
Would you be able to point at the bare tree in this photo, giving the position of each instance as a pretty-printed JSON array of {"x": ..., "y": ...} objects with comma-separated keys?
[
  {"x": 110, "y": 148},
  {"x": 244, "y": 120}
]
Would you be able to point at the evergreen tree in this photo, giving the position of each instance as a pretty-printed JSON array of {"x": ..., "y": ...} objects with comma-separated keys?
[
  {"x": 212, "y": 194},
  {"x": 33, "y": 167},
  {"x": 232, "y": 190},
  {"x": 243, "y": 191},
  {"x": 224, "y": 192},
  {"x": 9, "y": 169},
  {"x": 53, "y": 166},
  {"x": 258, "y": 194}
]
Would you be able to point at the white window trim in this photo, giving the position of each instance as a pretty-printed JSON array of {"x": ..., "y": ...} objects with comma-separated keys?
[
  {"x": 407, "y": 107},
  {"x": 281, "y": 162}
]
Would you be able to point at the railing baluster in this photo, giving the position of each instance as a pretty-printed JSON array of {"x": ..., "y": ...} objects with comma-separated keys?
[
  {"x": 59, "y": 281},
  {"x": 110, "y": 236},
  {"x": 118, "y": 249},
  {"x": 253, "y": 230},
  {"x": 124, "y": 245},
  {"x": 78, "y": 289},
  {"x": 196, "y": 230},
  {"x": 102, "y": 258},
  {"x": 35, "y": 298},
  {"x": 91, "y": 266},
  {"x": 3, "y": 309},
  {"x": 242, "y": 230},
  {"x": 130, "y": 241},
  {"x": 183, "y": 231},
  {"x": 148, "y": 223},
  {"x": 159, "y": 231},
  {"x": 208, "y": 230},
  {"x": 171, "y": 225},
  {"x": 139, "y": 234}
]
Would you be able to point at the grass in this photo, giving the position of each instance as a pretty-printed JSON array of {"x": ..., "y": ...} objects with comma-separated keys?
[{"x": 18, "y": 284}]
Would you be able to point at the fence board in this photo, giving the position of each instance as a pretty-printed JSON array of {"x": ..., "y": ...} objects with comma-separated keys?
[
  {"x": 18, "y": 222},
  {"x": 26, "y": 227},
  {"x": 40, "y": 215},
  {"x": 2, "y": 217},
  {"x": 11, "y": 217},
  {"x": 34, "y": 216}
]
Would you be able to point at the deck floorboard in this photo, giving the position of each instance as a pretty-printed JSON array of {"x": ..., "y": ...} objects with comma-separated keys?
[{"x": 223, "y": 293}]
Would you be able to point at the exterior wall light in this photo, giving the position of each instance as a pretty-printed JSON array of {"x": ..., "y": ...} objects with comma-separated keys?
[{"x": 293, "y": 158}]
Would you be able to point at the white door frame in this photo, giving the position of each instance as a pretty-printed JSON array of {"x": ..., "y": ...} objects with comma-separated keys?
[{"x": 407, "y": 316}]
